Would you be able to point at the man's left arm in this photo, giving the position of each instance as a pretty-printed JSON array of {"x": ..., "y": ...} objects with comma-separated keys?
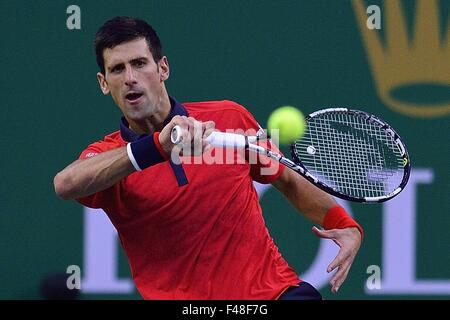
[{"x": 322, "y": 209}]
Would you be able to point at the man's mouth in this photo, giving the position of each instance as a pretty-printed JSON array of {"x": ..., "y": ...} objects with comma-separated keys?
[{"x": 133, "y": 96}]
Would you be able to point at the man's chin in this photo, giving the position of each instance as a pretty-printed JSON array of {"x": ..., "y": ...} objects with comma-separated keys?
[{"x": 137, "y": 114}]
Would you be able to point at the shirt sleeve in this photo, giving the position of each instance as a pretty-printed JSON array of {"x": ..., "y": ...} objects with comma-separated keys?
[
  {"x": 105, "y": 198},
  {"x": 263, "y": 169}
]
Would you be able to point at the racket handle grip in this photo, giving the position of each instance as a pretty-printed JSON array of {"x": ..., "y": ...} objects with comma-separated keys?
[
  {"x": 215, "y": 139},
  {"x": 225, "y": 139}
]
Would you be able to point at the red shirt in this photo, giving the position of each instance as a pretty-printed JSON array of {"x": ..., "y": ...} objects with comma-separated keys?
[{"x": 202, "y": 240}]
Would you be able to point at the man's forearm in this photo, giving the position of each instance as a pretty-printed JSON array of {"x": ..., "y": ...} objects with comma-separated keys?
[
  {"x": 304, "y": 196},
  {"x": 86, "y": 177}
]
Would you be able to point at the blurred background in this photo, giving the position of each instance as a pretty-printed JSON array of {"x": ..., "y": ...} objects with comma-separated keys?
[{"x": 261, "y": 54}]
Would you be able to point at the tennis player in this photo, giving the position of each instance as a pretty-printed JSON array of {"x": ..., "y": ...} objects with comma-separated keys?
[{"x": 190, "y": 230}]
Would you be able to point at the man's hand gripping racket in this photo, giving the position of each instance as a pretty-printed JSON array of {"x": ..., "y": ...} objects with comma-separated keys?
[{"x": 347, "y": 153}]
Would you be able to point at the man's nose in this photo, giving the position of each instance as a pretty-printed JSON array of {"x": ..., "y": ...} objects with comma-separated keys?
[{"x": 130, "y": 78}]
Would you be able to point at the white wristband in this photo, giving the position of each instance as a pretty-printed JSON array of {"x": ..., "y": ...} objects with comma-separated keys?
[{"x": 132, "y": 159}]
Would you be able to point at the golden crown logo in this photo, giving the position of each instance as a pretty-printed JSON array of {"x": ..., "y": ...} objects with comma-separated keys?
[{"x": 425, "y": 60}]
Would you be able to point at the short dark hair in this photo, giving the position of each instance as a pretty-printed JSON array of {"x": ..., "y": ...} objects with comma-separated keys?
[{"x": 122, "y": 29}]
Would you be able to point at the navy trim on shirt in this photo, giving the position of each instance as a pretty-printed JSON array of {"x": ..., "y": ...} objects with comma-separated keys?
[{"x": 129, "y": 135}]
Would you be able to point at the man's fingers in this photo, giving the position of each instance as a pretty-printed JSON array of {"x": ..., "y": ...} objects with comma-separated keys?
[
  {"x": 206, "y": 147},
  {"x": 194, "y": 134},
  {"x": 340, "y": 276},
  {"x": 191, "y": 124},
  {"x": 208, "y": 132},
  {"x": 335, "y": 263},
  {"x": 197, "y": 137},
  {"x": 208, "y": 125},
  {"x": 191, "y": 136},
  {"x": 208, "y": 128},
  {"x": 338, "y": 260},
  {"x": 327, "y": 234},
  {"x": 349, "y": 245}
]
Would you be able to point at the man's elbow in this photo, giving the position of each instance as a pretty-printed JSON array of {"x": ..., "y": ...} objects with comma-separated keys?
[{"x": 63, "y": 186}]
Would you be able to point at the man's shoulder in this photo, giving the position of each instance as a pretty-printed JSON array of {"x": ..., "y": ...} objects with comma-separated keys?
[
  {"x": 214, "y": 106},
  {"x": 110, "y": 141},
  {"x": 226, "y": 114},
  {"x": 114, "y": 137}
]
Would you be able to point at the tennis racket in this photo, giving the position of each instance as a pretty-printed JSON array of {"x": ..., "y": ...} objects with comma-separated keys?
[{"x": 350, "y": 154}]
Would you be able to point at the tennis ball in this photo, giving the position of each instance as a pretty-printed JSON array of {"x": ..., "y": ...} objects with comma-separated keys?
[{"x": 290, "y": 121}]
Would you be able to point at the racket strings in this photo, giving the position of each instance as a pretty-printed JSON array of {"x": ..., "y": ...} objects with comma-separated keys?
[{"x": 352, "y": 155}]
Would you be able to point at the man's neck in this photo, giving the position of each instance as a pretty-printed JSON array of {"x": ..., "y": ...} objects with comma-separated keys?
[{"x": 155, "y": 122}]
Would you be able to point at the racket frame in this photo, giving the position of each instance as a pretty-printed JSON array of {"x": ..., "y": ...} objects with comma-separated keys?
[{"x": 376, "y": 121}]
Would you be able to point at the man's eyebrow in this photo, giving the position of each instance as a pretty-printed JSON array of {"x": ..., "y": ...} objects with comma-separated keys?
[
  {"x": 131, "y": 61},
  {"x": 139, "y": 59}
]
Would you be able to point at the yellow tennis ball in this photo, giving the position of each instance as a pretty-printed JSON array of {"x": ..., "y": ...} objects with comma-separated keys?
[{"x": 289, "y": 121}]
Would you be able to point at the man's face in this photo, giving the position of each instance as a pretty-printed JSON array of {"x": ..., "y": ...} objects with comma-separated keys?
[{"x": 134, "y": 79}]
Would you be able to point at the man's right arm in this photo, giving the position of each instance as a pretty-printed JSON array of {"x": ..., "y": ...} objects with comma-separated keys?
[{"x": 85, "y": 177}]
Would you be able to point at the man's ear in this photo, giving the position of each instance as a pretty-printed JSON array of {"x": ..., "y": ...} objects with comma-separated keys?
[
  {"x": 164, "y": 70},
  {"x": 102, "y": 82}
]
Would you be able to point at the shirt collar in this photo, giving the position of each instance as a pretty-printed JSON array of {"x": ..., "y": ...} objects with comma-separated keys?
[{"x": 129, "y": 135}]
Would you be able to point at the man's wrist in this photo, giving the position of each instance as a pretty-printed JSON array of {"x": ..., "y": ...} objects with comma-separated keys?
[
  {"x": 338, "y": 218},
  {"x": 146, "y": 152},
  {"x": 158, "y": 145}
]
